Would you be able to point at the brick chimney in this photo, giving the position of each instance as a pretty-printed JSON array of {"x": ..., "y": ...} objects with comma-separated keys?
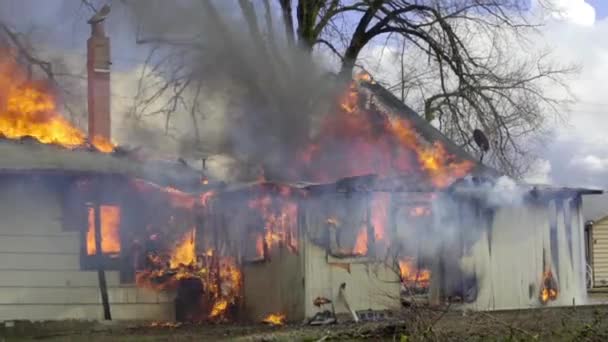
[{"x": 98, "y": 72}]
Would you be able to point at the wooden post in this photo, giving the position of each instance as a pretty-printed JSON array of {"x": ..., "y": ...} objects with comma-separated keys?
[{"x": 101, "y": 273}]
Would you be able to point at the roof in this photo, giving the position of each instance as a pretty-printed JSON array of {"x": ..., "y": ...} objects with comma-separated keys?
[
  {"x": 29, "y": 155},
  {"x": 426, "y": 130},
  {"x": 506, "y": 190}
]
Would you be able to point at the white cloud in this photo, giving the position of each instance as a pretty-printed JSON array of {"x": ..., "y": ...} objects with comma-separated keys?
[
  {"x": 591, "y": 163},
  {"x": 575, "y": 11}
]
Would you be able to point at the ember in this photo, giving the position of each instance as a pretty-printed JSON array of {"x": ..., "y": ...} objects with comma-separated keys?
[
  {"x": 27, "y": 109},
  {"x": 275, "y": 319},
  {"x": 165, "y": 324}
]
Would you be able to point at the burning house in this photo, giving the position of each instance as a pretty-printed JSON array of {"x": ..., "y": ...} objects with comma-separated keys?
[{"x": 392, "y": 213}]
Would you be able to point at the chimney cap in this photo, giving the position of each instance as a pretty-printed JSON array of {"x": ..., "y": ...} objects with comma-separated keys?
[{"x": 100, "y": 15}]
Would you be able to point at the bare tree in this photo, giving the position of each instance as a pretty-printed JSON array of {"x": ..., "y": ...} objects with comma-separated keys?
[{"x": 471, "y": 79}]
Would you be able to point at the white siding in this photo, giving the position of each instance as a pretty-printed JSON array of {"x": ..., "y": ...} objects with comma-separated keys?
[
  {"x": 369, "y": 285},
  {"x": 600, "y": 253},
  {"x": 40, "y": 276},
  {"x": 509, "y": 265},
  {"x": 275, "y": 286}
]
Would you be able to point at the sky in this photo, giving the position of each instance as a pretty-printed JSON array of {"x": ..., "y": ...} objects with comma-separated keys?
[{"x": 576, "y": 154}]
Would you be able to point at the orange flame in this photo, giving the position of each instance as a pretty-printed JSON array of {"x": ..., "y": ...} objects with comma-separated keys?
[
  {"x": 27, "y": 110},
  {"x": 549, "y": 289},
  {"x": 185, "y": 251},
  {"x": 361, "y": 242},
  {"x": 412, "y": 276},
  {"x": 420, "y": 211},
  {"x": 361, "y": 139},
  {"x": 219, "y": 308},
  {"x": 110, "y": 230},
  {"x": 380, "y": 203},
  {"x": 279, "y": 215},
  {"x": 275, "y": 319}
]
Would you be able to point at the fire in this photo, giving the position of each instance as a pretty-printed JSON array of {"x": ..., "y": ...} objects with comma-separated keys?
[
  {"x": 219, "y": 308},
  {"x": 110, "y": 230},
  {"x": 185, "y": 252},
  {"x": 219, "y": 276},
  {"x": 157, "y": 324},
  {"x": 380, "y": 203},
  {"x": 549, "y": 289},
  {"x": 434, "y": 159},
  {"x": 361, "y": 242},
  {"x": 206, "y": 197},
  {"x": 279, "y": 215},
  {"x": 27, "y": 109},
  {"x": 412, "y": 276},
  {"x": 364, "y": 77},
  {"x": 360, "y": 139},
  {"x": 275, "y": 319},
  {"x": 420, "y": 211}
]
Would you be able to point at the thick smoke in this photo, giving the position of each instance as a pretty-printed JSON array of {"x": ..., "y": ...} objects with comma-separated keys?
[{"x": 259, "y": 97}]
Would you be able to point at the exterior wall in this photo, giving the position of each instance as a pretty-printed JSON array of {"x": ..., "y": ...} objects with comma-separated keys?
[
  {"x": 600, "y": 252},
  {"x": 274, "y": 286},
  {"x": 40, "y": 276},
  {"x": 510, "y": 258},
  {"x": 369, "y": 285}
]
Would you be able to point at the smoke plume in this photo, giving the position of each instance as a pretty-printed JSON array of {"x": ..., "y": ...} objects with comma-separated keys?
[{"x": 256, "y": 98}]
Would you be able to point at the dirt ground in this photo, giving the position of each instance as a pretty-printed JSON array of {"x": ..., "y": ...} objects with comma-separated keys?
[{"x": 582, "y": 323}]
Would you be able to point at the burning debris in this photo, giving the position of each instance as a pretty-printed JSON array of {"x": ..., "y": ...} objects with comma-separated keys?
[{"x": 275, "y": 319}]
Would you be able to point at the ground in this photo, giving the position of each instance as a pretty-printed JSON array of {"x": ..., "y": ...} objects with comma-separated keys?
[{"x": 581, "y": 323}]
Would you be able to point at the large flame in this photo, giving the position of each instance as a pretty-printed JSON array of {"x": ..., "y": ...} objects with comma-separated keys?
[
  {"x": 219, "y": 275},
  {"x": 185, "y": 251},
  {"x": 279, "y": 214},
  {"x": 110, "y": 230},
  {"x": 357, "y": 140},
  {"x": 28, "y": 109}
]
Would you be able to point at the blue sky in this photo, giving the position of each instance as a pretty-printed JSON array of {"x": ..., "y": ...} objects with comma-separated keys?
[{"x": 601, "y": 7}]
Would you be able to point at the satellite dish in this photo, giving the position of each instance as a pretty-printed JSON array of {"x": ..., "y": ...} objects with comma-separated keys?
[{"x": 482, "y": 142}]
